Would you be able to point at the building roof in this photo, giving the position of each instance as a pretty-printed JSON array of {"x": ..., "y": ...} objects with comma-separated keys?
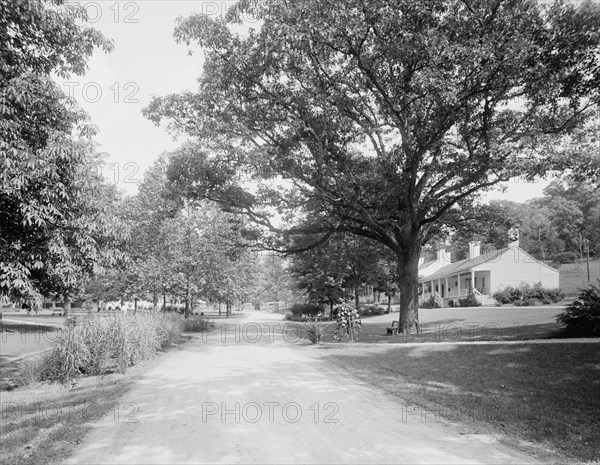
[
  {"x": 425, "y": 265},
  {"x": 465, "y": 265},
  {"x": 468, "y": 264}
]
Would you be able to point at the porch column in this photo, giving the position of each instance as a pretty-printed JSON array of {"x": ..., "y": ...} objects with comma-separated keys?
[
  {"x": 473, "y": 279},
  {"x": 446, "y": 286},
  {"x": 458, "y": 279}
]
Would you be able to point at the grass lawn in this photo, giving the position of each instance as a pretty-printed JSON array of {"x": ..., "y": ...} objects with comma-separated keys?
[
  {"x": 465, "y": 324},
  {"x": 42, "y": 423},
  {"x": 546, "y": 393}
]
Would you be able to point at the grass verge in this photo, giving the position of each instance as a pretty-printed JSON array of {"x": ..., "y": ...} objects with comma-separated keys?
[
  {"x": 42, "y": 423},
  {"x": 542, "y": 393}
]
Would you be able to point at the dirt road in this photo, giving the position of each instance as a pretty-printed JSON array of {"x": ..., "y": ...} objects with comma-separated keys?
[{"x": 273, "y": 401}]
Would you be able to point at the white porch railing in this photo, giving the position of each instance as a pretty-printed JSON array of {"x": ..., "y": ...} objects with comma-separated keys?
[
  {"x": 424, "y": 297},
  {"x": 478, "y": 295},
  {"x": 458, "y": 293},
  {"x": 454, "y": 293}
]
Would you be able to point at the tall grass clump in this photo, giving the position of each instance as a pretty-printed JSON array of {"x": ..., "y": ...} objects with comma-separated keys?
[{"x": 100, "y": 344}]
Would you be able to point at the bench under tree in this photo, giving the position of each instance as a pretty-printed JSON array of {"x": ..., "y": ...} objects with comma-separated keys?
[{"x": 393, "y": 329}]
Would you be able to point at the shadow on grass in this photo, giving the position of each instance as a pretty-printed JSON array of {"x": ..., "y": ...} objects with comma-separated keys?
[
  {"x": 42, "y": 424},
  {"x": 459, "y": 330},
  {"x": 546, "y": 393}
]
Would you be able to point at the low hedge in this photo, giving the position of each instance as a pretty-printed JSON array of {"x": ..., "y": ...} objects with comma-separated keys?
[{"x": 525, "y": 294}]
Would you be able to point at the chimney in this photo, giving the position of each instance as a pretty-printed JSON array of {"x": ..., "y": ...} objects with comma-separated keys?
[
  {"x": 442, "y": 256},
  {"x": 474, "y": 249},
  {"x": 513, "y": 237}
]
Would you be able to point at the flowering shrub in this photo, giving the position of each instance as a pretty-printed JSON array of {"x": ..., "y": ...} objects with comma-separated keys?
[{"x": 348, "y": 322}]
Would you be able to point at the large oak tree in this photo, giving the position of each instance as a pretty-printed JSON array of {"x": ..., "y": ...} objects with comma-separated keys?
[{"x": 380, "y": 117}]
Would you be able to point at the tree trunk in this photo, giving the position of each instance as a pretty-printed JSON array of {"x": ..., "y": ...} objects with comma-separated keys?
[
  {"x": 66, "y": 305},
  {"x": 331, "y": 309},
  {"x": 389, "y": 303},
  {"x": 164, "y": 309},
  {"x": 135, "y": 306},
  {"x": 408, "y": 282},
  {"x": 155, "y": 301},
  {"x": 188, "y": 299},
  {"x": 356, "y": 296}
]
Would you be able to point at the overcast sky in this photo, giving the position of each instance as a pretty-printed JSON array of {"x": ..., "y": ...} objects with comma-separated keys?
[{"x": 146, "y": 61}]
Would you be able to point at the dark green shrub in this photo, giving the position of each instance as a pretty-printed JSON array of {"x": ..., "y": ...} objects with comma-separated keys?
[
  {"x": 369, "y": 310},
  {"x": 308, "y": 309},
  {"x": 583, "y": 315},
  {"x": 429, "y": 303},
  {"x": 196, "y": 325},
  {"x": 174, "y": 308},
  {"x": 469, "y": 301},
  {"x": 314, "y": 331},
  {"x": 508, "y": 295},
  {"x": 289, "y": 316},
  {"x": 524, "y": 291}
]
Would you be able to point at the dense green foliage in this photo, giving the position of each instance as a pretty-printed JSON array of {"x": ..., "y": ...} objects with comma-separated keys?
[
  {"x": 340, "y": 266},
  {"x": 54, "y": 230},
  {"x": 182, "y": 249},
  {"x": 305, "y": 309},
  {"x": 582, "y": 317},
  {"x": 558, "y": 227}
]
